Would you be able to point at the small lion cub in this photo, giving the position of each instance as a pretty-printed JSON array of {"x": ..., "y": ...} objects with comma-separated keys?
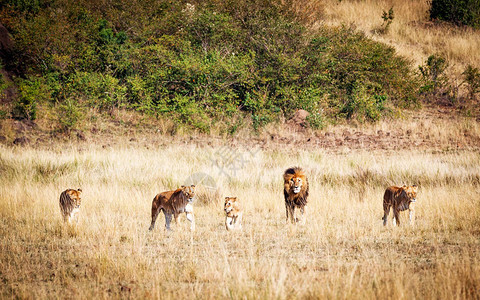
[{"x": 233, "y": 213}]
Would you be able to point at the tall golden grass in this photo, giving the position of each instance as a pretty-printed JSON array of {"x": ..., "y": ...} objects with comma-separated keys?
[
  {"x": 411, "y": 32},
  {"x": 343, "y": 252}
]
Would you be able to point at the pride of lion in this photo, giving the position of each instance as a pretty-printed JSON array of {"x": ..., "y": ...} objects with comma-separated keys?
[{"x": 295, "y": 190}]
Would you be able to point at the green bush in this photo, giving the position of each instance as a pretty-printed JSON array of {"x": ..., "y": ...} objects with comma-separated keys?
[
  {"x": 433, "y": 75},
  {"x": 206, "y": 62},
  {"x": 98, "y": 90},
  {"x": 316, "y": 120},
  {"x": 4, "y": 85},
  {"x": 472, "y": 79},
  {"x": 69, "y": 115},
  {"x": 387, "y": 19},
  {"x": 31, "y": 91},
  {"x": 460, "y": 12}
]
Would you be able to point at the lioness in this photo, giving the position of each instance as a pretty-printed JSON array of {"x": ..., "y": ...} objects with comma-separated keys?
[
  {"x": 295, "y": 190},
  {"x": 174, "y": 203},
  {"x": 70, "y": 204},
  {"x": 400, "y": 199},
  {"x": 233, "y": 213}
]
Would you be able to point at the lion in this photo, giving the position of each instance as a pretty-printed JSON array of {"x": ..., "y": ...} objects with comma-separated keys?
[
  {"x": 400, "y": 199},
  {"x": 70, "y": 204},
  {"x": 233, "y": 213},
  {"x": 174, "y": 203},
  {"x": 295, "y": 191}
]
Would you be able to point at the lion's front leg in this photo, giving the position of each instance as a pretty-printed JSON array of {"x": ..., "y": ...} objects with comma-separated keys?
[
  {"x": 290, "y": 212},
  {"x": 176, "y": 218},
  {"x": 286, "y": 210},
  {"x": 411, "y": 214},
  {"x": 168, "y": 220},
  {"x": 228, "y": 223},
  {"x": 396, "y": 217},
  {"x": 191, "y": 218},
  {"x": 303, "y": 211},
  {"x": 74, "y": 215}
]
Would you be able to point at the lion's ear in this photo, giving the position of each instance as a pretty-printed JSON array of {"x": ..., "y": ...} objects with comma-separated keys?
[
  {"x": 226, "y": 198},
  {"x": 80, "y": 190},
  {"x": 182, "y": 186},
  {"x": 193, "y": 185}
]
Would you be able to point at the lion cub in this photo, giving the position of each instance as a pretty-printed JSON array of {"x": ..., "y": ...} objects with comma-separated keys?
[{"x": 233, "y": 213}]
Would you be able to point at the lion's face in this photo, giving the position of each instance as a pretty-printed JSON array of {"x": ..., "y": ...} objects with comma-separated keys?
[
  {"x": 411, "y": 193},
  {"x": 229, "y": 204},
  {"x": 296, "y": 183},
  {"x": 189, "y": 192},
  {"x": 75, "y": 196}
]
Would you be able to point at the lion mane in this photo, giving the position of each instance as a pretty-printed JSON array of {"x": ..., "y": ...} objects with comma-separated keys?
[{"x": 295, "y": 190}]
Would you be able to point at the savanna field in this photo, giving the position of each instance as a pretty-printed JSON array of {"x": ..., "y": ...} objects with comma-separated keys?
[
  {"x": 342, "y": 252},
  {"x": 127, "y": 99}
]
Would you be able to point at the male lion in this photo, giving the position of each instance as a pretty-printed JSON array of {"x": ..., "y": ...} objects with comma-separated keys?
[
  {"x": 174, "y": 202},
  {"x": 295, "y": 191},
  {"x": 400, "y": 199},
  {"x": 70, "y": 204},
  {"x": 233, "y": 213}
]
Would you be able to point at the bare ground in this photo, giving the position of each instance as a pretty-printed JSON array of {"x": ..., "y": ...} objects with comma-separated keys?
[{"x": 431, "y": 129}]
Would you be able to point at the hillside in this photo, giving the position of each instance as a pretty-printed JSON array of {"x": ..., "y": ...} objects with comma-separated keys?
[{"x": 225, "y": 70}]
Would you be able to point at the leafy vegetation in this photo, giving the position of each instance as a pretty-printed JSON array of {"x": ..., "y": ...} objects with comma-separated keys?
[
  {"x": 460, "y": 12},
  {"x": 433, "y": 74},
  {"x": 199, "y": 63},
  {"x": 387, "y": 19},
  {"x": 472, "y": 79}
]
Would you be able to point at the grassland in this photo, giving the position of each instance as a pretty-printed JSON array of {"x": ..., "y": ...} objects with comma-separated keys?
[
  {"x": 411, "y": 32},
  {"x": 343, "y": 252}
]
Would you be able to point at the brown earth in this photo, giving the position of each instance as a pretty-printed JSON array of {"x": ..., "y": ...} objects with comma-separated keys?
[{"x": 431, "y": 129}]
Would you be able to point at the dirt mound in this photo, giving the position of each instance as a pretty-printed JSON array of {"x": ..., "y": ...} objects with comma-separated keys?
[{"x": 299, "y": 119}]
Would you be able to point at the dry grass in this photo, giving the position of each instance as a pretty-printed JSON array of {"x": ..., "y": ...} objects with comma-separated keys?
[
  {"x": 344, "y": 252},
  {"x": 411, "y": 32}
]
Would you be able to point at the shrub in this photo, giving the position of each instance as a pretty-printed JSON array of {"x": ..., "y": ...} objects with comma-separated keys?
[
  {"x": 460, "y": 12},
  {"x": 433, "y": 74},
  {"x": 362, "y": 106},
  {"x": 69, "y": 114},
  {"x": 101, "y": 91},
  {"x": 207, "y": 62},
  {"x": 472, "y": 79},
  {"x": 31, "y": 91},
  {"x": 4, "y": 85},
  {"x": 316, "y": 120},
  {"x": 387, "y": 19}
]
